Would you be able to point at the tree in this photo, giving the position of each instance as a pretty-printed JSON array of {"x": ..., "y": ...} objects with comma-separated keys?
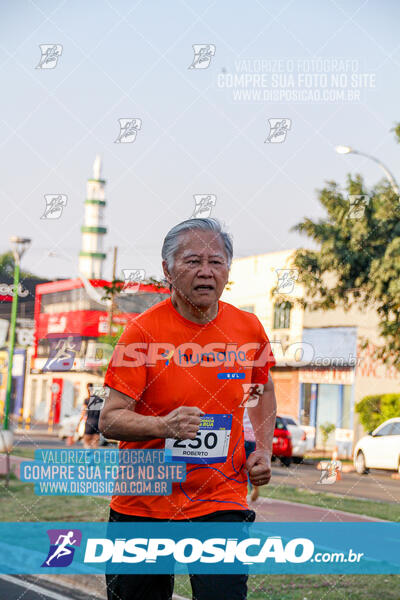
[
  {"x": 7, "y": 264},
  {"x": 106, "y": 345},
  {"x": 358, "y": 259},
  {"x": 116, "y": 286},
  {"x": 374, "y": 410},
  {"x": 326, "y": 429}
]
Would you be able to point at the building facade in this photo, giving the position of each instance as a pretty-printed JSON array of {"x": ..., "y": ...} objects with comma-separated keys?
[
  {"x": 24, "y": 336},
  {"x": 322, "y": 368},
  {"x": 70, "y": 346}
]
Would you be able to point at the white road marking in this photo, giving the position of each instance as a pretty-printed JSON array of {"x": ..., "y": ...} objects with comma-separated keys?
[{"x": 34, "y": 588}]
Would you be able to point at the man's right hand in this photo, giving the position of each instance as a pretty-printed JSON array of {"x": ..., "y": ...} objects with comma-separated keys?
[{"x": 182, "y": 423}]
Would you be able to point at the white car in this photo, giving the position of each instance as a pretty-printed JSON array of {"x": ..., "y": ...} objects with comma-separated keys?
[
  {"x": 68, "y": 427},
  {"x": 299, "y": 438},
  {"x": 380, "y": 449}
]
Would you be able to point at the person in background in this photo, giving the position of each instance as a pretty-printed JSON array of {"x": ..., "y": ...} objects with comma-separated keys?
[
  {"x": 249, "y": 447},
  {"x": 92, "y": 434}
]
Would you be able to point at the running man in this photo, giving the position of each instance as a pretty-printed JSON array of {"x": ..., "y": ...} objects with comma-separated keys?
[
  {"x": 65, "y": 351},
  {"x": 158, "y": 398},
  {"x": 62, "y": 549}
]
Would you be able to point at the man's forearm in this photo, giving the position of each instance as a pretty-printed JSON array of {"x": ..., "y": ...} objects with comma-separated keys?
[
  {"x": 128, "y": 426},
  {"x": 262, "y": 418}
]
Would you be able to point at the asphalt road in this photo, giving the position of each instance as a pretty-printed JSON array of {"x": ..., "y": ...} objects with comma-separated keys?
[
  {"x": 377, "y": 485},
  {"x": 18, "y": 587},
  {"x": 32, "y": 587}
]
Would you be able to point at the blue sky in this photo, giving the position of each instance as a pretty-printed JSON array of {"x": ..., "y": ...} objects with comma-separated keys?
[{"x": 130, "y": 59}]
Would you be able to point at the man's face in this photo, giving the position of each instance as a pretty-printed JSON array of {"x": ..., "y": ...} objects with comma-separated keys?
[{"x": 200, "y": 270}]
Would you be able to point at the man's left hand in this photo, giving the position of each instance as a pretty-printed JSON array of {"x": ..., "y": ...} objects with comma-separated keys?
[{"x": 258, "y": 466}]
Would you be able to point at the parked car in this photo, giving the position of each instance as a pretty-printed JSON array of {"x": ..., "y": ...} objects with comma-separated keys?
[
  {"x": 282, "y": 443},
  {"x": 299, "y": 438},
  {"x": 68, "y": 427},
  {"x": 380, "y": 449}
]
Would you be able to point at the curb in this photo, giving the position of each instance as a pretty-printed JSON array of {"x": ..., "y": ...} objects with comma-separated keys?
[
  {"x": 78, "y": 582},
  {"x": 35, "y": 432}
]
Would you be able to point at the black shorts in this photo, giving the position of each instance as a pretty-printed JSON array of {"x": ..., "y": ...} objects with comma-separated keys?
[
  {"x": 249, "y": 447},
  {"x": 91, "y": 428},
  {"x": 161, "y": 587}
]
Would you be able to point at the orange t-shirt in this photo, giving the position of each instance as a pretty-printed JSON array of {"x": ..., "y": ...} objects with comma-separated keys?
[{"x": 164, "y": 361}]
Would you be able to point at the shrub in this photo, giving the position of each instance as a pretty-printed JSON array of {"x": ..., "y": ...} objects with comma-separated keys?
[{"x": 374, "y": 410}]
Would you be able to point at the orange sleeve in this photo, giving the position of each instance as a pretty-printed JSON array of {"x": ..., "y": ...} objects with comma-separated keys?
[
  {"x": 126, "y": 371},
  {"x": 263, "y": 358}
]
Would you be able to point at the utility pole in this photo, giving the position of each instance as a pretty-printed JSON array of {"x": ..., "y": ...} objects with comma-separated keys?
[
  {"x": 19, "y": 247},
  {"x": 111, "y": 310}
]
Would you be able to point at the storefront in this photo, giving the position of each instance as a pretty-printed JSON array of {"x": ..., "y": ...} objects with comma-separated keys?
[
  {"x": 286, "y": 384},
  {"x": 18, "y": 381},
  {"x": 69, "y": 350},
  {"x": 327, "y": 398},
  {"x": 52, "y": 396}
]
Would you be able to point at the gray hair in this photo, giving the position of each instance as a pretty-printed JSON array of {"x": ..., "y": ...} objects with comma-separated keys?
[{"x": 171, "y": 241}]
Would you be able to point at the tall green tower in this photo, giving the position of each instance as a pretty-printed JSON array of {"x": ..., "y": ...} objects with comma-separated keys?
[{"x": 92, "y": 256}]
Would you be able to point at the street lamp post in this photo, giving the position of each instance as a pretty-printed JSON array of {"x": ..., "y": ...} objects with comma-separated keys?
[
  {"x": 389, "y": 175},
  {"x": 20, "y": 245}
]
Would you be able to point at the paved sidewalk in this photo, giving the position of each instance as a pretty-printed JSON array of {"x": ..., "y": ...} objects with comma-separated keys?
[
  {"x": 15, "y": 462},
  {"x": 281, "y": 511}
]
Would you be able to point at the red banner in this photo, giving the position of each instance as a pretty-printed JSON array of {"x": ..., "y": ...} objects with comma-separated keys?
[
  {"x": 86, "y": 323},
  {"x": 56, "y": 395}
]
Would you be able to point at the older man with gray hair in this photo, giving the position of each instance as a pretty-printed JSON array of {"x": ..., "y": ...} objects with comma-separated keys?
[{"x": 208, "y": 356}]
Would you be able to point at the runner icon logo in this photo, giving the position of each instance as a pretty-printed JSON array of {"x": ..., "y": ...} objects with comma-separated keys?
[
  {"x": 55, "y": 204},
  {"x": 204, "y": 204},
  {"x": 128, "y": 129},
  {"x": 357, "y": 205},
  {"x": 278, "y": 129},
  {"x": 286, "y": 280},
  {"x": 203, "y": 54},
  {"x": 251, "y": 394},
  {"x": 50, "y": 55},
  {"x": 62, "y": 354},
  {"x": 61, "y": 551},
  {"x": 330, "y": 472},
  {"x": 133, "y": 278}
]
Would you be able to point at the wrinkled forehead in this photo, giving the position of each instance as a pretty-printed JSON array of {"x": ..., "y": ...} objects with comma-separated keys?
[{"x": 200, "y": 243}]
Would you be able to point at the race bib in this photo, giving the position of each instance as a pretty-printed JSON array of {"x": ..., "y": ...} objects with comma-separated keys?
[{"x": 209, "y": 446}]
